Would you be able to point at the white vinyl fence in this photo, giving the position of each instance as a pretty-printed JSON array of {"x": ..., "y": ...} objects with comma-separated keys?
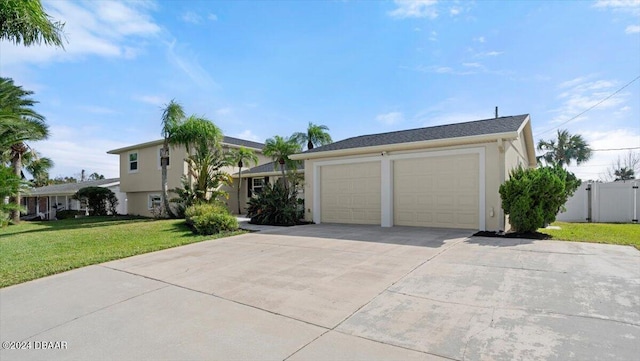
[{"x": 604, "y": 202}]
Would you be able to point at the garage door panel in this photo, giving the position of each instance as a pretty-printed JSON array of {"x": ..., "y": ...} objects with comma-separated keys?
[
  {"x": 437, "y": 191},
  {"x": 356, "y": 190}
]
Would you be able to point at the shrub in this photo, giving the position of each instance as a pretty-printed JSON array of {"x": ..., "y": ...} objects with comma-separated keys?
[
  {"x": 207, "y": 219},
  {"x": 101, "y": 201},
  {"x": 68, "y": 213},
  {"x": 275, "y": 206},
  {"x": 533, "y": 197}
]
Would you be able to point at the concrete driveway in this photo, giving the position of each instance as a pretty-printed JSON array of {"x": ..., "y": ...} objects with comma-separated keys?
[{"x": 336, "y": 292}]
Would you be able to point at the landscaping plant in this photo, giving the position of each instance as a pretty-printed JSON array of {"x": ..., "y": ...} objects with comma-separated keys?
[
  {"x": 101, "y": 201},
  {"x": 275, "y": 205},
  {"x": 210, "y": 218},
  {"x": 533, "y": 197}
]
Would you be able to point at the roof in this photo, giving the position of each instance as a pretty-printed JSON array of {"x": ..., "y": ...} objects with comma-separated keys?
[
  {"x": 70, "y": 188},
  {"x": 225, "y": 141},
  {"x": 270, "y": 168},
  {"x": 458, "y": 130}
]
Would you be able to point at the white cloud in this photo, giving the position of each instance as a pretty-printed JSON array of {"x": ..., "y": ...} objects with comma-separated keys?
[
  {"x": 596, "y": 167},
  {"x": 212, "y": 17},
  {"x": 627, "y": 6},
  {"x": 415, "y": 9},
  {"x": 102, "y": 28},
  {"x": 455, "y": 11},
  {"x": 581, "y": 93},
  {"x": 486, "y": 54},
  {"x": 480, "y": 39},
  {"x": 152, "y": 99},
  {"x": 96, "y": 109},
  {"x": 248, "y": 135},
  {"x": 223, "y": 111},
  {"x": 433, "y": 36},
  {"x": 191, "y": 17},
  {"x": 187, "y": 62},
  {"x": 632, "y": 29},
  {"x": 390, "y": 118}
]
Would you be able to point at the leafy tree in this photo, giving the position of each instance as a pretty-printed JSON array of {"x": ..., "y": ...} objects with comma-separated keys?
[
  {"x": 242, "y": 156},
  {"x": 95, "y": 176},
  {"x": 18, "y": 123},
  {"x": 26, "y": 22},
  {"x": 279, "y": 149},
  {"x": 533, "y": 197},
  {"x": 172, "y": 117},
  {"x": 624, "y": 174},
  {"x": 315, "y": 135},
  {"x": 63, "y": 180},
  {"x": 101, "y": 201},
  {"x": 564, "y": 149}
]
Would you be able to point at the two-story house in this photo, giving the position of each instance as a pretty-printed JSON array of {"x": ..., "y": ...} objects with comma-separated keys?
[{"x": 141, "y": 178}]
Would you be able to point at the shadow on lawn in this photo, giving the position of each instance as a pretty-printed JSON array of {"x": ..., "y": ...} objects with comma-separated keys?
[{"x": 75, "y": 223}]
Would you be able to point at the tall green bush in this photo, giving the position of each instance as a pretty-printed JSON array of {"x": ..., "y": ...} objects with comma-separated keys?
[
  {"x": 208, "y": 218},
  {"x": 275, "y": 205},
  {"x": 10, "y": 185},
  {"x": 101, "y": 201},
  {"x": 533, "y": 197}
]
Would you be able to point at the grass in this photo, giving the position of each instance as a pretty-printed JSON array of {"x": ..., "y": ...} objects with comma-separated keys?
[
  {"x": 609, "y": 233},
  {"x": 32, "y": 250}
]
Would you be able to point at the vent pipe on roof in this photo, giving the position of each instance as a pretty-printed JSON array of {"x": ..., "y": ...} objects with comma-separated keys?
[{"x": 496, "y": 112}]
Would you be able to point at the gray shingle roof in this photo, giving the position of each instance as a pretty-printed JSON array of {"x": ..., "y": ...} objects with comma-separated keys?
[
  {"x": 242, "y": 142},
  {"x": 268, "y": 167},
  {"x": 478, "y": 127},
  {"x": 69, "y": 188}
]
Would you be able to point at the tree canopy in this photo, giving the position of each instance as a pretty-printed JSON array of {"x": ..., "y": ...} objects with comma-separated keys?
[
  {"x": 314, "y": 136},
  {"x": 565, "y": 148},
  {"x": 25, "y": 22}
]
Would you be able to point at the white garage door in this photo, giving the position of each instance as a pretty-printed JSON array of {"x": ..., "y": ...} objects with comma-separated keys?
[
  {"x": 437, "y": 191},
  {"x": 350, "y": 193}
]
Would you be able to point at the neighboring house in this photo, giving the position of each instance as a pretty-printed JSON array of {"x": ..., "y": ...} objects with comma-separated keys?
[
  {"x": 442, "y": 176},
  {"x": 46, "y": 201},
  {"x": 141, "y": 178},
  {"x": 255, "y": 178}
]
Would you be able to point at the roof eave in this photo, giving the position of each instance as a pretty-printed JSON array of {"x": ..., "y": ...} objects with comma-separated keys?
[
  {"x": 407, "y": 146},
  {"x": 161, "y": 141},
  {"x": 264, "y": 174}
]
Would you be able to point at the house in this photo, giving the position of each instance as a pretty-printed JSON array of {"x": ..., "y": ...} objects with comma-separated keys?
[
  {"x": 441, "y": 176},
  {"x": 141, "y": 178},
  {"x": 255, "y": 178},
  {"x": 44, "y": 202}
]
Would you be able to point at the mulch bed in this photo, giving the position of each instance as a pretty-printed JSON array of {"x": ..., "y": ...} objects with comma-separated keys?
[{"x": 528, "y": 235}]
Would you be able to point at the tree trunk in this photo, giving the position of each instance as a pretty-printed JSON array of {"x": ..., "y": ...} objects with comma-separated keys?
[
  {"x": 165, "y": 181},
  {"x": 16, "y": 162},
  {"x": 239, "y": 187},
  {"x": 284, "y": 178},
  {"x": 309, "y": 144}
]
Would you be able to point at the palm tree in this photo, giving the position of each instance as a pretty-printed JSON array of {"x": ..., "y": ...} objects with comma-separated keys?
[
  {"x": 279, "y": 149},
  {"x": 242, "y": 156},
  {"x": 26, "y": 22},
  {"x": 38, "y": 167},
  {"x": 18, "y": 123},
  {"x": 624, "y": 173},
  {"x": 172, "y": 117},
  {"x": 565, "y": 148},
  {"x": 204, "y": 137},
  {"x": 315, "y": 135}
]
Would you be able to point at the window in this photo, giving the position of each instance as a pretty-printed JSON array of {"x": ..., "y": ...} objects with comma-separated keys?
[
  {"x": 155, "y": 201},
  {"x": 167, "y": 157},
  {"x": 133, "y": 162},
  {"x": 258, "y": 183}
]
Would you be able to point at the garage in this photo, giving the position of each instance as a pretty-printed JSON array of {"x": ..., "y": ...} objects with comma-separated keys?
[
  {"x": 445, "y": 176},
  {"x": 436, "y": 191},
  {"x": 351, "y": 193}
]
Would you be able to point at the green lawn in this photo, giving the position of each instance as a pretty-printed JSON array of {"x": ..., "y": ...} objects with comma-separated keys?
[
  {"x": 610, "y": 233},
  {"x": 32, "y": 250}
]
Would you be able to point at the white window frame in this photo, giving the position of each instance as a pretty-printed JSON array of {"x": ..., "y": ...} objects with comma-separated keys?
[
  {"x": 260, "y": 186},
  {"x": 160, "y": 158},
  {"x": 137, "y": 161},
  {"x": 150, "y": 198}
]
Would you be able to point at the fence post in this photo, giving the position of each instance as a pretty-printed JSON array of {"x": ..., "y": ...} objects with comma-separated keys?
[
  {"x": 635, "y": 204},
  {"x": 589, "y": 202}
]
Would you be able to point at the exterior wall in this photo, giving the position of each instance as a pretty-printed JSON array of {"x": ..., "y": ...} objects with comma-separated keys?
[
  {"x": 493, "y": 176},
  {"x": 148, "y": 177},
  {"x": 138, "y": 203}
]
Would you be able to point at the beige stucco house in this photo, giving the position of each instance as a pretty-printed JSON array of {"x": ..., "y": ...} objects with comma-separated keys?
[
  {"x": 140, "y": 172},
  {"x": 442, "y": 176}
]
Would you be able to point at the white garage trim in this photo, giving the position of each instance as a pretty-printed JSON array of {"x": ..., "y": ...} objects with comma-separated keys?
[{"x": 386, "y": 184}]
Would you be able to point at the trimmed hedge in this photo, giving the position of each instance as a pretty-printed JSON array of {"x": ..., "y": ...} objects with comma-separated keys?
[{"x": 208, "y": 219}]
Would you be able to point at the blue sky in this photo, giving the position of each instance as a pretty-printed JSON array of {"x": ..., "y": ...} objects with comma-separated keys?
[{"x": 265, "y": 68}]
